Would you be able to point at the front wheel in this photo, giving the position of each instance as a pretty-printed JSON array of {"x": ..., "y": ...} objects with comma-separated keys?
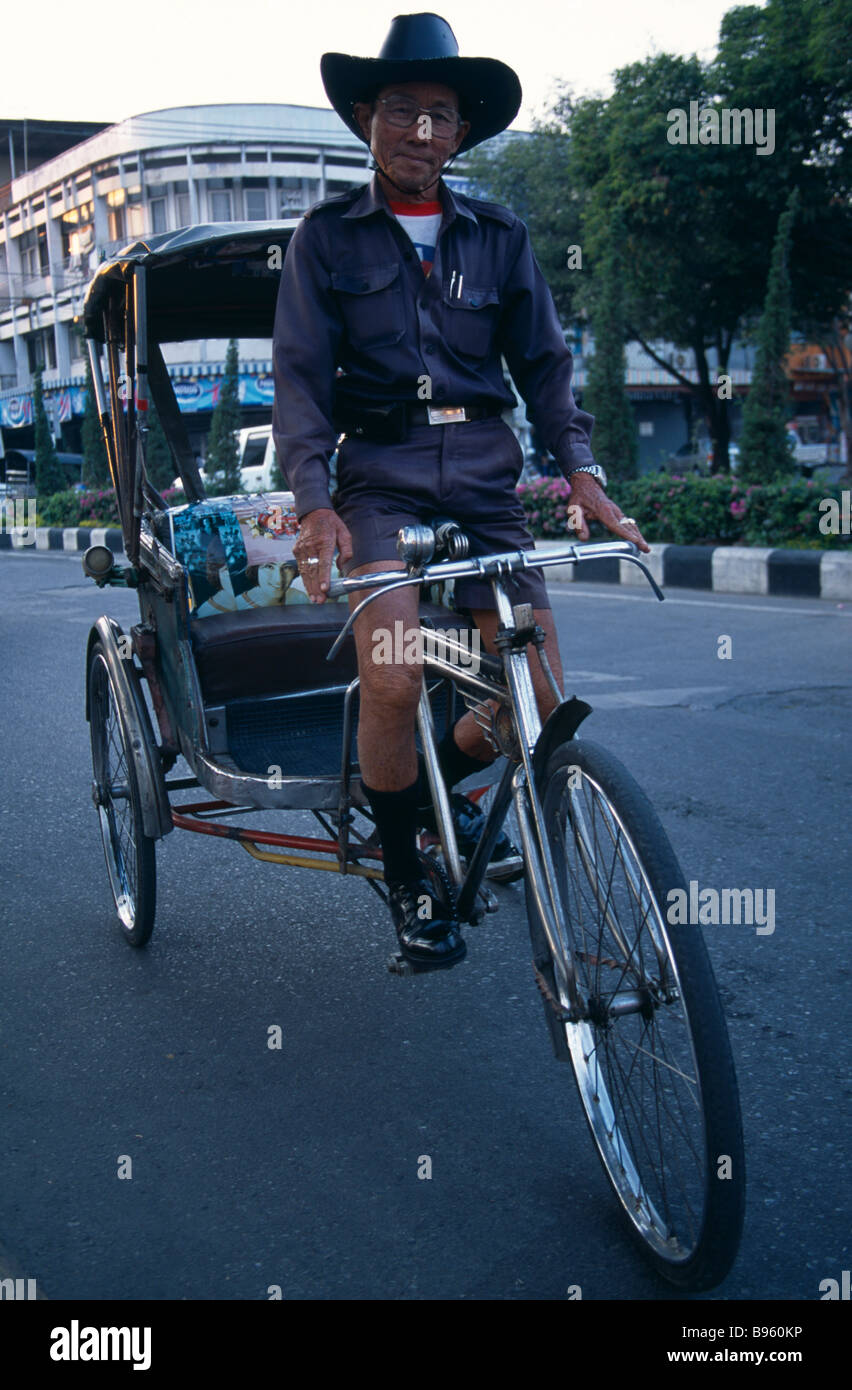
[
  {"x": 650, "y": 1051},
  {"x": 129, "y": 852}
]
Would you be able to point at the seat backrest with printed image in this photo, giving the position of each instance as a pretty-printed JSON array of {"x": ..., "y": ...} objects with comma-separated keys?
[{"x": 238, "y": 552}]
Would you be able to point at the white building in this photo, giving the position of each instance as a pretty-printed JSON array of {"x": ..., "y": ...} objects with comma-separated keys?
[{"x": 150, "y": 173}]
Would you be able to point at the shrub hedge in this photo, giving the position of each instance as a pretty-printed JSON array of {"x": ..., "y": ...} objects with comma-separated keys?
[
  {"x": 687, "y": 511},
  {"x": 700, "y": 511},
  {"x": 89, "y": 508}
]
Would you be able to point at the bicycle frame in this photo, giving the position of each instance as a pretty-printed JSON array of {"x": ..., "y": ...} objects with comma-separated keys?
[{"x": 514, "y": 692}]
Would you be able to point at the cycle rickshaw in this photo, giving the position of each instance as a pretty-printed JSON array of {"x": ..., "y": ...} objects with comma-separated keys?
[{"x": 258, "y": 696}]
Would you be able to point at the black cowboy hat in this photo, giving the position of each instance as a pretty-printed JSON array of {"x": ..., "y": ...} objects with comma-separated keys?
[{"x": 419, "y": 48}]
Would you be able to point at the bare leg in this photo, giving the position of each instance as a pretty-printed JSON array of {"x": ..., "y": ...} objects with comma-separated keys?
[
  {"x": 468, "y": 734},
  {"x": 389, "y": 691}
]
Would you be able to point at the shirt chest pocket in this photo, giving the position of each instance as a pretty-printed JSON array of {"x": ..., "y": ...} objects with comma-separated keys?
[
  {"x": 371, "y": 304},
  {"x": 470, "y": 318}
]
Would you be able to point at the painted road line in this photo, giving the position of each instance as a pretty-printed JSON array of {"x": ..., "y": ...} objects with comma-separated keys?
[{"x": 616, "y": 596}]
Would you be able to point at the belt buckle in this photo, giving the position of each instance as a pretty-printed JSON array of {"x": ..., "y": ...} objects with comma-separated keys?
[{"x": 445, "y": 414}]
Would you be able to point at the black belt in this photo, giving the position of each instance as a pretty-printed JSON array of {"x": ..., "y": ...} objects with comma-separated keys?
[{"x": 391, "y": 423}]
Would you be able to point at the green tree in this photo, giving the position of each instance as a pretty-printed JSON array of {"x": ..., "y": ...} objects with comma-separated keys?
[
  {"x": 533, "y": 176},
  {"x": 223, "y": 462},
  {"x": 49, "y": 474},
  {"x": 159, "y": 461},
  {"x": 614, "y": 438},
  {"x": 699, "y": 219},
  {"x": 765, "y": 451},
  {"x": 96, "y": 472}
]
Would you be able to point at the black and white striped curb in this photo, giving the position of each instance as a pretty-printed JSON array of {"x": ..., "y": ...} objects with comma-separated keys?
[
  {"x": 726, "y": 569},
  {"x": 73, "y": 538}
]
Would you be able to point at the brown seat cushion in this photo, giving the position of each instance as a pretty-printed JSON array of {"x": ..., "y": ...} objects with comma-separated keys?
[{"x": 281, "y": 649}]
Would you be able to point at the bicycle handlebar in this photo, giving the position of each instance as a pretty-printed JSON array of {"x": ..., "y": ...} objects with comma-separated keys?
[{"x": 489, "y": 566}]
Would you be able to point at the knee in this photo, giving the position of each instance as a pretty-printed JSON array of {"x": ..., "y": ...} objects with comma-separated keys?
[{"x": 393, "y": 690}]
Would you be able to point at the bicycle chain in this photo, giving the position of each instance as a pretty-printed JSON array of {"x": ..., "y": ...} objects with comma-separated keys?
[{"x": 564, "y": 1015}]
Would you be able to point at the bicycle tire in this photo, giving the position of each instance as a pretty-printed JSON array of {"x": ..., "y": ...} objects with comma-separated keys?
[
  {"x": 657, "y": 1081},
  {"x": 129, "y": 852}
]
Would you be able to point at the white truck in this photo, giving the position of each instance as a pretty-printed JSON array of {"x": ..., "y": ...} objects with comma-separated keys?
[
  {"x": 257, "y": 460},
  {"x": 807, "y": 456}
]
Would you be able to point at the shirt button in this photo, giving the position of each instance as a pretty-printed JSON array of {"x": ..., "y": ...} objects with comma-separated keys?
[
  {"x": 440, "y": 391},
  {"x": 430, "y": 348}
]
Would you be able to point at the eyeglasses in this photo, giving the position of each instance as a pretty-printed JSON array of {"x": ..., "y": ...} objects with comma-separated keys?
[{"x": 403, "y": 112}]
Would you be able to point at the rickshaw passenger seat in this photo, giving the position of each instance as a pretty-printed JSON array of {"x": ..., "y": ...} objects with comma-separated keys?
[{"x": 281, "y": 650}]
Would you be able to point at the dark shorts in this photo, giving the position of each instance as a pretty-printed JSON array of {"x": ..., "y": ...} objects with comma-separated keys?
[{"x": 466, "y": 472}]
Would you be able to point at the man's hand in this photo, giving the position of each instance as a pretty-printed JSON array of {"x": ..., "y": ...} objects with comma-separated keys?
[
  {"x": 589, "y": 501},
  {"x": 320, "y": 533}
]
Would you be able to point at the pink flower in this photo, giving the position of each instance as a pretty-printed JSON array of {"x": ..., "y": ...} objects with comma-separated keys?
[{"x": 737, "y": 509}]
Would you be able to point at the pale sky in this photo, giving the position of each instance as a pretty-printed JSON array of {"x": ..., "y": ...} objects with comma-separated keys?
[{"x": 122, "y": 61}]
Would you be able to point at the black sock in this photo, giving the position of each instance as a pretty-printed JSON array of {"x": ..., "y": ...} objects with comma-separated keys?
[
  {"x": 397, "y": 822},
  {"x": 455, "y": 765}
]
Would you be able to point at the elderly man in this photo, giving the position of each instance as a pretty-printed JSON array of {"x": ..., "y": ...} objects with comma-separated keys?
[{"x": 396, "y": 302}]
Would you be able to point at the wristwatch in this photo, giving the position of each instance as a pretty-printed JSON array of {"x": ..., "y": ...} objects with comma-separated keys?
[{"x": 594, "y": 469}]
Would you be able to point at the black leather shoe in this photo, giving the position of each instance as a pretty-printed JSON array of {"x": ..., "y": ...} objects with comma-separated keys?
[{"x": 428, "y": 934}]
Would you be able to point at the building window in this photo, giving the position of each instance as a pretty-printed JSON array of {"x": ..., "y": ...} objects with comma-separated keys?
[
  {"x": 33, "y": 246},
  {"x": 159, "y": 218},
  {"x": 115, "y": 214},
  {"x": 78, "y": 230},
  {"x": 256, "y": 204},
  {"x": 41, "y": 350},
  {"x": 293, "y": 197},
  {"x": 183, "y": 204},
  {"x": 220, "y": 200},
  {"x": 135, "y": 212}
]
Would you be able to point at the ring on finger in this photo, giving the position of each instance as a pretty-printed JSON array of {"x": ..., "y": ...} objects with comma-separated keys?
[{"x": 627, "y": 521}]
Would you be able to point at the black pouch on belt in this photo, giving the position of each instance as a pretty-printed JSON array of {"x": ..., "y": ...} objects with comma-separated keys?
[{"x": 386, "y": 424}]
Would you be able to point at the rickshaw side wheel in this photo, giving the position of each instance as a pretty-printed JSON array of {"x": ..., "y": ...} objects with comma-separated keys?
[{"x": 129, "y": 852}]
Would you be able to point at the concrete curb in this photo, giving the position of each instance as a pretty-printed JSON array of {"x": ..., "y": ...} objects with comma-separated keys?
[
  {"x": 72, "y": 538},
  {"x": 725, "y": 569}
]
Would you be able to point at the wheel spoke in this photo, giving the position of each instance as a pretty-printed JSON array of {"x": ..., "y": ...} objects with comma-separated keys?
[
  {"x": 635, "y": 1064},
  {"x": 128, "y": 852}
]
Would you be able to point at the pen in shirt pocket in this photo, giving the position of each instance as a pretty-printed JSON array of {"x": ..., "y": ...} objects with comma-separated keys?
[{"x": 452, "y": 282}]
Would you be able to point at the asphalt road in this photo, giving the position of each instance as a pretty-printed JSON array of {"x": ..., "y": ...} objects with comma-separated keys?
[{"x": 298, "y": 1167}]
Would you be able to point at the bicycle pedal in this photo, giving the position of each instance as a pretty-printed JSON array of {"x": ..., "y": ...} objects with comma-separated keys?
[
  {"x": 399, "y": 964},
  {"x": 491, "y": 901}
]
